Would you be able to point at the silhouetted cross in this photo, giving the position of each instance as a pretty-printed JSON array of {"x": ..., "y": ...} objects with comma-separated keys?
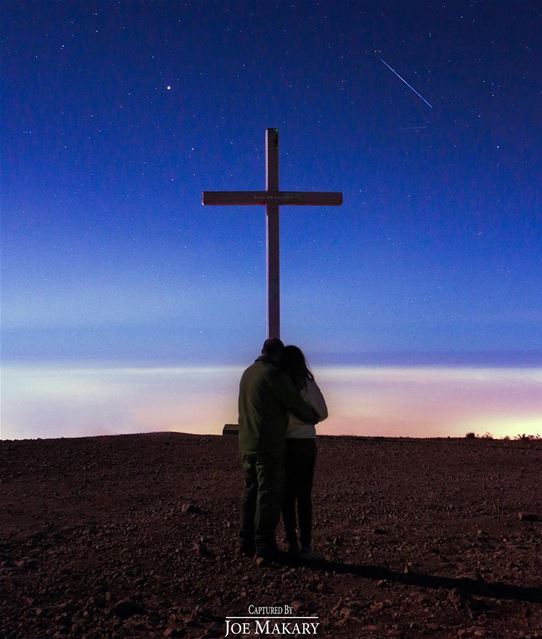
[{"x": 272, "y": 198}]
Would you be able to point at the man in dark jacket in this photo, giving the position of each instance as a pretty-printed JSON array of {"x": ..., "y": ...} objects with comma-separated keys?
[{"x": 266, "y": 397}]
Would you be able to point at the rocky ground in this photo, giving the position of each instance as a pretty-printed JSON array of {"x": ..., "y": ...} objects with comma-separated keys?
[{"x": 136, "y": 536}]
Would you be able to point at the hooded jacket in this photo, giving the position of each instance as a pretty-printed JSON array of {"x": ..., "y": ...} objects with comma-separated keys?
[{"x": 266, "y": 397}]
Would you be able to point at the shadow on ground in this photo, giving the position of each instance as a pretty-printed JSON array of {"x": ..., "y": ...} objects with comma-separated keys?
[{"x": 478, "y": 587}]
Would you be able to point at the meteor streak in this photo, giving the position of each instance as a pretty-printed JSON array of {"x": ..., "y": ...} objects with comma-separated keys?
[{"x": 408, "y": 85}]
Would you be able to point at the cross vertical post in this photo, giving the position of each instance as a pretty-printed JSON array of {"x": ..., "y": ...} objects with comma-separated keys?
[{"x": 272, "y": 229}]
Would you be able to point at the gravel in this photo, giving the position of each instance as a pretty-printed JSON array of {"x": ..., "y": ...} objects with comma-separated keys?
[{"x": 136, "y": 536}]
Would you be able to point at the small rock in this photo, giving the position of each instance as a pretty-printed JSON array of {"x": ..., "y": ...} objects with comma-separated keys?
[
  {"x": 457, "y": 599},
  {"x": 337, "y": 606},
  {"x": 63, "y": 619},
  {"x": 529, "y": 517},
  {"x": 191, "y": 509},
  {"x": 127, "y": 608},
  {"x": 345, "y": 612},
  {"x": 296, "y": 605}
]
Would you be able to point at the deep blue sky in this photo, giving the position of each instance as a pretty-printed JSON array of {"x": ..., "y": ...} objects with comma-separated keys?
[{"x": 109, "y": 255}]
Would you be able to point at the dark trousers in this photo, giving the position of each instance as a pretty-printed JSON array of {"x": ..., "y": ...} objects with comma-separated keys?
[
  {"x": 261, "y": 500},
  {"x": 297, "y": 502}
]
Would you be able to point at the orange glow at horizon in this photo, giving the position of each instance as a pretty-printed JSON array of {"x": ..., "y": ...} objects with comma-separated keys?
[{"x": 66, "y": 401}]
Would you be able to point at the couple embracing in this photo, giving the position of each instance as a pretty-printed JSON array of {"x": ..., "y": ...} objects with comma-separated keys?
[{"x": 279, "y": 406}]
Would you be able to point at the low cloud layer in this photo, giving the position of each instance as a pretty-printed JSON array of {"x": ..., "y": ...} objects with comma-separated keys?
[{"x": 69, "y": 401}]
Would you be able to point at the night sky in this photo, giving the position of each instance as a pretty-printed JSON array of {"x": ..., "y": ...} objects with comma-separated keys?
[{"x": 117, "y": 115}]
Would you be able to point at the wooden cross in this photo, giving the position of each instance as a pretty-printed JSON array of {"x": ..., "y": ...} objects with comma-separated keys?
[{"x": 272, "y": 198}]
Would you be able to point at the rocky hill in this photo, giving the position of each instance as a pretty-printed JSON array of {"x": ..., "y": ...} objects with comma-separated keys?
[{"x": 136, "y": 536}]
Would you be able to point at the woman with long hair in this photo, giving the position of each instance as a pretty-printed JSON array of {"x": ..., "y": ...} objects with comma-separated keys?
[{"x": 300, "y": 457}]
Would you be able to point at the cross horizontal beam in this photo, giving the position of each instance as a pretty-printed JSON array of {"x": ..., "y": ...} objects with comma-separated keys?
[{"x": 288, "y": 198}]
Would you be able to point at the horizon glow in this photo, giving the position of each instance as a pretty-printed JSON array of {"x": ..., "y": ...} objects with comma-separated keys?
[{"x": 66, "y": 401}]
